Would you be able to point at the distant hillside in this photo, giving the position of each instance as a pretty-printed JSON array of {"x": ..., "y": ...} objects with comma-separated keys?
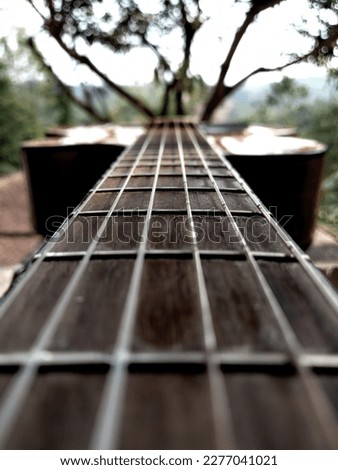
[{"x": 245, "y": 100}]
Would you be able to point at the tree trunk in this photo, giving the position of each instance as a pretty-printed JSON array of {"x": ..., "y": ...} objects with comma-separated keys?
[
  {"x": 217, "y": 97},
  {"x": 179, "y": 102},
  {"x": 165, "y": 102}
]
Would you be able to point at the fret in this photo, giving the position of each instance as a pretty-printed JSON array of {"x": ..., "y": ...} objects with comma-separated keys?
[
  {"x": 155, "y": 250},
  {"x": 246, "y": 392},
  {"x": 140, "y": 181},
  {"x": 169, "y": 200},
  {"x": 232, "y": 331},
  {"x": 112, "y": 182},
  {"x": 32, "y": 317},
  {"x": 258, "y": 235},
  {"x": 175, "y": 388},
  {"x": 69, "y": 391},
  {"x": 72, "y": 331},
  {"x": 133, "y": 200},
  {"x": 168, "y": 232},
  {"x": 313, "y": 338},
  {"x": 176, "y": 321},
  {"x": 321, "y": 364},
  {"x": 170, "y": 181},
  {"x": 170, "y": 287}
]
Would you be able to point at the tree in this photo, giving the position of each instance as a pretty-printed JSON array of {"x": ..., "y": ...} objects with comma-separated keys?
[
  {"x": 285, "y": 103},
  {"x": 122, "y": 25}
]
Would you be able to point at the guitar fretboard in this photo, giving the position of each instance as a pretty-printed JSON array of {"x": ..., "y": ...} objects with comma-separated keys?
[{"x": 170, "y": 311}]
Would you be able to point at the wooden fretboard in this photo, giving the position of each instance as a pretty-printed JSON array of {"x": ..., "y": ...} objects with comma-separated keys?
[{"x": 170, "y": 311}]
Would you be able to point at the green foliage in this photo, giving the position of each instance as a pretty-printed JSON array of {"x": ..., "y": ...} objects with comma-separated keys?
[
  {"x": 18, "y": 122},
  {"x": 31, "y": 100},
  {"x": 323, "y": 125},
  {"x": 328, "y": 213},
  {"x": 284, "y": 91},
  {"x": 284, "y": 104}
]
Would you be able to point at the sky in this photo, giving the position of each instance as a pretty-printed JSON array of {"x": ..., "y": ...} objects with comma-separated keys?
[{"x": 261, "y": 45}]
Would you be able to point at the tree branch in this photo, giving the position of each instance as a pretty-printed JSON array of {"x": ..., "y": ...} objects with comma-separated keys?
[
  {"x": 53, "y": 29},
  {"x": 220, "y": 89},
  {"x": 162, "y": 60},
  {"x": 190, "y": 29},
  {"x": 267, "y": 70},
  {"x": 31, "y": 2},
  {"x": 229, "y": 90},
  {"x": 66, "y": 89},
  {"x": 114, "y": 86},
  {"x": 328, "y": 42}
]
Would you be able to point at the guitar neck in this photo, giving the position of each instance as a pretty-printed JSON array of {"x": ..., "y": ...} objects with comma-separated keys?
[{"x": 169, "y": 311}]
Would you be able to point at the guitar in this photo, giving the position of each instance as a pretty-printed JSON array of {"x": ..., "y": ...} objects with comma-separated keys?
[{"x": 170, "y": 311}]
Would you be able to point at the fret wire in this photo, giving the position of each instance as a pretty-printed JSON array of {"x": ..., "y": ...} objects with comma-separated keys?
[
  {"x": 248, "y": 359},
  {"x": 175, "y": 254},
  {"x": 74, "y": 357},
  {"x": 128, "y": 212},
  {"x": 321, "y": 406},
  {"x": 110, "y": 176},
  {"x": 204, "y": 253},
  {"x": 46, "y": 357},
  {"x": 167, "y": 188},
  {"x": 213, "y": 212},
  {"x": 139, "y": 175},
  {"x": 105, "y": 190},
  {"x": 93, "y": 213},
  {"x": 319, "y": 361},
  {"x": 17, "y": 390},
  {"x": 107, "y": 426},
  {"x": 244, "y": 213},
  {"x": 130, "y": 189},
  {"x": 100, "y": 254},
  {"x": 57, "y": 255},
  {"x": 217, "y": 358},
  {"x": 219, "y": 400},
  {"x": 273, "y": 256}
]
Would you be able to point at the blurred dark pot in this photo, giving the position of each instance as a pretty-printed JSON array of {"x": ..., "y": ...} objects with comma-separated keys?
[{"x": 288, "y": 185}]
